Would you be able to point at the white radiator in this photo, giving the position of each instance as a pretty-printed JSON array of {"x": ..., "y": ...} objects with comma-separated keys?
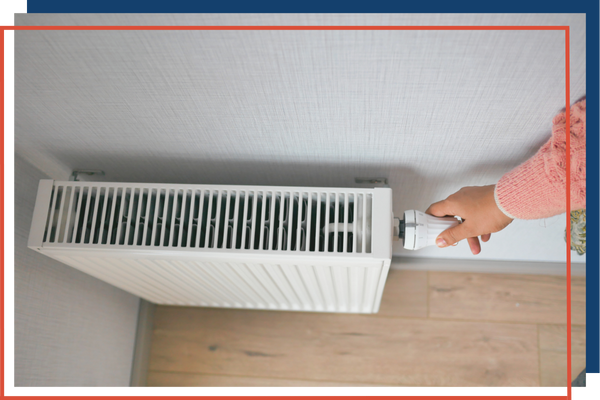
[{"x": 258, "y": 247}]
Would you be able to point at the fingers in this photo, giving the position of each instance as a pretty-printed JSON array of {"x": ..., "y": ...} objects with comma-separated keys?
[
  {"x": 474, "y": 245},
  {"x": 453, "y": 235},
  {"x": 479, "y": 212},
  {"x": 456, "y": 234}
]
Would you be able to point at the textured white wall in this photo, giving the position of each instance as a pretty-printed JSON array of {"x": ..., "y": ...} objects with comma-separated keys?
[
  {"x": 70, "y": 329},
  {"x": 430, "y": 110}
]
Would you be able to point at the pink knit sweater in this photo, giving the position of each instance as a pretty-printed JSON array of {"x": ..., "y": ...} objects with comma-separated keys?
[{"x": 537, "y": 188}]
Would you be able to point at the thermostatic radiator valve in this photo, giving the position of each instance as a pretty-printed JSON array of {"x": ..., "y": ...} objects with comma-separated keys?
[{"x": 418, "y": 230}]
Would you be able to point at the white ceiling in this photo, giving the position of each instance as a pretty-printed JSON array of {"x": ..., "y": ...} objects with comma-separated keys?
[{"x": 430, "y": 110}]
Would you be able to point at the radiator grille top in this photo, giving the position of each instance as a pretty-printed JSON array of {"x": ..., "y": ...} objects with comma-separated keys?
[{"x": 287, "y": 219}]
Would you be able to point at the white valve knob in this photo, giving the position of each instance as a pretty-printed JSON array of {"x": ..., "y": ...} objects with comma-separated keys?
[{"x": 421, "y": 230}]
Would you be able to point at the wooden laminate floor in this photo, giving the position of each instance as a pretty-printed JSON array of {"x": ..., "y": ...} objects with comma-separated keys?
[{"x": 433, "y": 329}]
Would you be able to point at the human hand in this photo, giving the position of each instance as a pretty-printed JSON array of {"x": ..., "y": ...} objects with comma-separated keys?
[{"x": 477, "y": 208}]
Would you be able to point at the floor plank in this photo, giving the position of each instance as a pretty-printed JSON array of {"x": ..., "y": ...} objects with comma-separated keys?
[
  {"x": 405, "y": 294},
  {"x": 505, "y": 297},
  {"x": 344, "y": 348},
  {"x": 553, "y": 353},
  {"x": 178, "y": 379}
]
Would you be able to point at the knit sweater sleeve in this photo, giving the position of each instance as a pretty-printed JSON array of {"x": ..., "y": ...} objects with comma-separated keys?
[{"x": 537, "y": 188}]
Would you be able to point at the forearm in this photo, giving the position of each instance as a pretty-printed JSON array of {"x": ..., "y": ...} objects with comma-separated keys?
[{"x": 537, "y": 188}]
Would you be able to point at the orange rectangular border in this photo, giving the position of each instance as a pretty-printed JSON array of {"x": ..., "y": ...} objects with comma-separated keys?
[{"x": 315, "y": 28}]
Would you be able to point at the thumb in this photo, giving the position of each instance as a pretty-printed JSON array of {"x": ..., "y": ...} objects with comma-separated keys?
[
  {"x": 453, "y": 235},
  {"x": 440, "y": 209}
]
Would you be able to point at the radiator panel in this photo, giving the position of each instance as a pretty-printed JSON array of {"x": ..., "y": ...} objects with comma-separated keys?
[
  {"x": 255, "y": 285},
  {"x": 255, "y": 247}
]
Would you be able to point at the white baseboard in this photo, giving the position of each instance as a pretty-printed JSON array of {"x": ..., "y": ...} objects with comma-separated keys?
[{"x": 486, "y": 266}]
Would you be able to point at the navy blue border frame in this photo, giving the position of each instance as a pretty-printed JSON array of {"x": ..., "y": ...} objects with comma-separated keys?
[{"x": 307, "y": 6}]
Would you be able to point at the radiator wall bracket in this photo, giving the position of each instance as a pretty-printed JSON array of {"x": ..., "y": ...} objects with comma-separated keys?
[{"x": 89, "y": 172}]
